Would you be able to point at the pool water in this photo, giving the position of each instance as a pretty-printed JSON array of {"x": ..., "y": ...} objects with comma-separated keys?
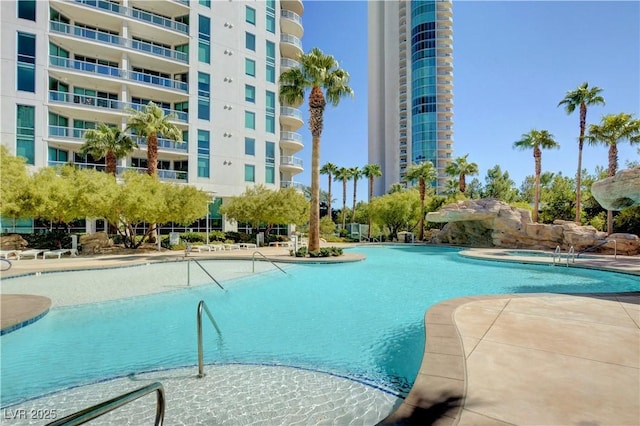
[{"x": 363, "y": 320}]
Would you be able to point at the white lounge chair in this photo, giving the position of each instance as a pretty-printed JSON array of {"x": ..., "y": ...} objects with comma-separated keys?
[
  {"x": 247, "y": 246},
  {"x": 59, "y": 253},
  {"x": 232, "y": 247},
  {"x": 8, "y": 253},
  {"x": 31, "y": 252}
]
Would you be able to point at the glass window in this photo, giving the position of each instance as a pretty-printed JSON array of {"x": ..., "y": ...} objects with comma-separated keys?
[
  {"x": 204, "y": 52},
  {"x": 250, "y": 41},
  {"x": 249, "y": 120},
  {"x": 249, "y": 93},
  {"x": 250, "y": 67},
  {"x": 25, "y": 132},
  {"x": 205, "y": 3},
  {"x": 27, "y": 9},
  {"x": 26, "y": 62},
  {"x": 270, "y": 124},
  {"x": 271, "y": 24},
  {"x": 249, "y": 173},
  {"x": 249, "y": 146},
  {"x": 204, "y": 108},
  {"x": 204, "y": 28},
  {"x": 270, "y": 152},
  {"x": 250, "y": 15},
  {"x": 203, "y": 153},
  {"x": 270, "y": 101},
  {"x": 271, "y": 50},
  {"x": 269, "y": 174},
  {"x": 271, "y": 73}
]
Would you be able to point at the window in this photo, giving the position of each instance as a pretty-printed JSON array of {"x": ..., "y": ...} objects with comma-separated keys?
[
  {"x": 249, "y": 120},
  {"x": 27, "y": 9},
  {"x": 271, "y": 62},
  {"x": 205, "y": 3},
  {"x": 25, "y": 132},
  {"x": 204, "y": 52},
  {"x": 204, "y": 106},
  {"x": 249, "y": 173},
  {"x": 249, "y": 146},
  {"x": 203, "y": 153},
  {"x": 269, "y": 174},
  {"x": 204, "y": 39},
  {"x": 270, "y": 117},
  {"x": 26, "y": 62},
  {"x": 250, "y": 41},
  {"x": 270, "y": 124},
  {"x": 270, "y": 152},
  {"x": 271, "y": 51},
  {"x": 271, "y": 73},
  {"x": 271, "y": 24},
  {"x": 58, "y": 125},
  {"x": 250, "y": 15},
  {"x": 250, "y": 67},
  {"x": 249, "y": 93},
  {"x": 270, "y": 157},
  {"x": 58, "y": 155}
]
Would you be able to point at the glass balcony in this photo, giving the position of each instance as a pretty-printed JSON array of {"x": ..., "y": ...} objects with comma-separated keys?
[
  {"x": 136, "y": 14},
  {"x": 157, "y": 81},
  {"x": 179, "y": 115},
  {"x": 84, "y": 100},
  {"x": 87, "y": 67},
  {"x": 158, "y": 50},
  {"x": 291, "y": 161},
  {"x": 291, "y": 112},
  {"x": 291, "y": 136},
  {"x": 166, "y": 144},
  {"x": 291, "y": 16},
  {"x": 286, "y": 63},
  {"x": 98, "y": 167},
  {"x": 288, "y": 38},
  {"x": 175, "y": 175},
  {"x": 291, "y": 184}
]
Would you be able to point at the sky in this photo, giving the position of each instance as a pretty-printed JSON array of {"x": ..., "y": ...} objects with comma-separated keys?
[{"x": 514, "y": 61}]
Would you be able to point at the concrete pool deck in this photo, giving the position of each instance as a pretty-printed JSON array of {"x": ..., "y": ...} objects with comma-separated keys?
[{"x": 502, "y": 360}]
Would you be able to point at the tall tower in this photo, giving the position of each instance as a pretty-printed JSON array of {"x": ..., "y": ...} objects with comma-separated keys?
[
  {"x": 410, "y": 87},
  {"x": 71, "y": 64}
]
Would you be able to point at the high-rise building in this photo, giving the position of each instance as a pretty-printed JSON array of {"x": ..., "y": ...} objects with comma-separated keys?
[
  {"x": 68, "y": 65},
  {"x": 410, "y": 87}
]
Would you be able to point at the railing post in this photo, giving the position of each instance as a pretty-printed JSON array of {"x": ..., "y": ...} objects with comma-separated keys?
[{"x": 200, "y": 350}]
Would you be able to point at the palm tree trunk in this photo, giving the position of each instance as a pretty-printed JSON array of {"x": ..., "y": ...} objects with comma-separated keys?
[
  {"x": 112, "y": 163},
  {"x": 344, "y": 203},
  {"x": 422, "y": 195},
  {"x": 329, "y": 200},
  {"x": 613, "y": 168},
  {"x": 537, "y": 156},
  {"x": 369, "y": 206},
  {"x": 583, "y": 124},
  {"x": 316, "y": 110},
  {"x": 355, "y": 188},
  {"x": 463, "y": 183},
  {"x": 152, "y": 155}
]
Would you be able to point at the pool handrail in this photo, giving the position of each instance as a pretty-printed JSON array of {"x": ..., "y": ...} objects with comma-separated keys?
[
  {"x": 571, "y": 253},
  {"x": 205, "y": 271},
  {"x": 5, "y": 261},
  {"x": 202, "y": 306},
  {"x": 105, "y": 407},
  {"x": 253, "y": 262},
  {"x": 557, "y": 252},
  {"x": 615, "y": 247}
]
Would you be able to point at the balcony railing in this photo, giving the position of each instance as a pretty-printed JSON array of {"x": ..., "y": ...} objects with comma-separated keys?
[
  {"x": 291, "y": 112},
  {"x": 84, "y": 100},
  {"x": 291, "y": 15},
  {"x": 291, "y": 136},
  {"x": 288, "y": 160},
  {"x": 94, "y": 166},
  {"x": 168, "y": 144},
  {"x": 117, "y": 41},
  {"x": 179, "y": 115},
  {"x": 291, "y": 184},
  {"x": 289, "y": 63},
  {"x": 288, "y": 38},
  {"x": 137, "y": 14},
  {"x": 154, "y": 80},
  {"x": 162, "y": 173}
]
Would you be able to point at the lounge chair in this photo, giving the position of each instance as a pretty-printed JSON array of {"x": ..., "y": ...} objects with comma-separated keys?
[
  {"x": 31, "y": 252},
  {"x": 232, "y": 247},
  {"x": 8, "y": 253},
  {"x": 59, "y": 253},
  {"x": 247, "y": 246}
]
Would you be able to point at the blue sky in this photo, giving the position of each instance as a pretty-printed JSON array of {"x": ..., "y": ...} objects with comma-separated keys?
[{"x": 513, "y": 62}]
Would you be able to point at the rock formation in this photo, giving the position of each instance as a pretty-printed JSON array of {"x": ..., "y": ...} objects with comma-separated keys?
[
  {"x": 95, "y": 243},
  {"x": 493, "y": 223},
  {"x": 620, "y": 191},
  {"x": 13, "y": 242}
]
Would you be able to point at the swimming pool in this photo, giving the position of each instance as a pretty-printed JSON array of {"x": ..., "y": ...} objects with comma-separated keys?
[{"x": 362, "y": 321}]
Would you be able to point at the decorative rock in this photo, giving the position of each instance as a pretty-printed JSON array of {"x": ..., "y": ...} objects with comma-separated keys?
[
  {"x": 95, "y": 243},
  {"x": 620, "y": 191},
  {"x": 497, "y": 224},
  {"x": 13, "y": 242}
]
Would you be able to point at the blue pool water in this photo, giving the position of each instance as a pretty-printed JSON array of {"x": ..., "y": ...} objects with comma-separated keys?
[{"x": 361, "y": 320}]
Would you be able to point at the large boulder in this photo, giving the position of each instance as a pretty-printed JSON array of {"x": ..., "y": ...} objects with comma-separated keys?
[
  {"x": 493, "y": 223},
  {"x": 13, "y": 242},
  {"x": 95, "y": 243},
  {"x": 620, "y": 191}
]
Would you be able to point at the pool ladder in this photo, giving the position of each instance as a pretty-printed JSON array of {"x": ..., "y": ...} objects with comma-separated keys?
[
  {"x": 253, "y": 262},
  {"x": 557, "y": 254},
  {"x": 203, "y": 306},
  {"x": 205, "y": 271}
]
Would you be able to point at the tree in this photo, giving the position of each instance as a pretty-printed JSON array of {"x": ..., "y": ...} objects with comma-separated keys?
[
  {"x": 108, "y": 142},
  {"x": 343, "y": 174},
  {"x": 581, "y": 98},
  {"x": 614, "y": 128},
  {"x": 461, "y": 168},
  {"x": 396, "y": 187},
  {"x": 16, "y": 186},
  {"x": 330, "y": 170},
  {"x": 423, "y": 173},
  {"x": 537, "y": 140},
  {"x": 396, "y": 211},
  {"x": 150, "y": 123},
  {"x": 356, "y": 174},
  {"x": 261, "y": 206},
  {"x": 371, "y": 171},
  {"x": 499, "y": 185},
  {"x": 317, "y": 72},
  {"x": 559, "y": 200},
  {"x": 474, "y": 189}
]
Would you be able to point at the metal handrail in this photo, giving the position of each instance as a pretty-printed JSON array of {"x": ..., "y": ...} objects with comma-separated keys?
[
  {"x": 204, "y": 306},
  {"x": 105, "y": 407},
  {"x": 571, "y": 253},
  {"x": 253, "y": 263},
  {"x": 615, "y": 248},
  {"x": 205, "y": 271},
  {"x": 5, "y": 261},
  {"x": 557, "y": 252}
]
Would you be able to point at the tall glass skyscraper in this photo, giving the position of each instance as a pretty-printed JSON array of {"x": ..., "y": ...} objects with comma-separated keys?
[{"x": 410, "y": 87}]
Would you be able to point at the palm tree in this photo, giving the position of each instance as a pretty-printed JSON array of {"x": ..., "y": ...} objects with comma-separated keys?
[
  {"x": 356, "y": 174},
  {"x": 396, "y": 187},
  {"x": 330, "y": 170},
  {"x": 371, "y": 171},
  {"x": 461, "y": 168},
  {"x": 614, "y": 128},
  {"x": 108, "y": 142},
  {"x": 422, "y": 172},
  {"x": 536, "y": 140},
  {"x": 581, "y": 98},
  {"x": 150, "y": 123},
  {"x": 317, "y": 71},
  {"x": 343, "y": 174}
]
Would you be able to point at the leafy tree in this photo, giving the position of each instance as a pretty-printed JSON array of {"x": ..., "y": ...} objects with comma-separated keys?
[
  {"x": 423, "y": 173},
  {"x": 343, "y": 174},
  {"x": 613, "y": 130},
  {"x": 330, "y": 170},
  {"x": 461, "y": 168},
  {"x": 261, "y": 206},
  {"x": 371, "y": 171},
  {"x": 108, "y": 142},
  {"x": 537, "y": 140},
  {"x": 582, "y": 97},
  {"x": 327, "y": 226},
  {"x": 396, "y": 211},
  {"x": 628, "y": 220},
  {"x": 16, "y": 186},
  {"x": 499, "y": 185},
  {"x": 559, "y": 201},
  {"x": 474, "y": 189},
  {"x": 452, "y": 187},
  {"x": 396, "y": 187},
  {"x": 356, "y": 174},
  {"x": 317, "y": 72}
]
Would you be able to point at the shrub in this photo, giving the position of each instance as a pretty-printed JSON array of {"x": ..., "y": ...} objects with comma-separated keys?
[
  {"x": 335, "y": 251},
  {"x": 52, "y": 239},
  {"x": 302, "y": 252},
  {"x": 216, "y": 236},
  {"x": 193, "y": 237}
]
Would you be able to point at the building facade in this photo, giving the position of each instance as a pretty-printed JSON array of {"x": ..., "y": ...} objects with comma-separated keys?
[
  {"x": 410, "y": 87},
  {"x": 68, "y": 65}
]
